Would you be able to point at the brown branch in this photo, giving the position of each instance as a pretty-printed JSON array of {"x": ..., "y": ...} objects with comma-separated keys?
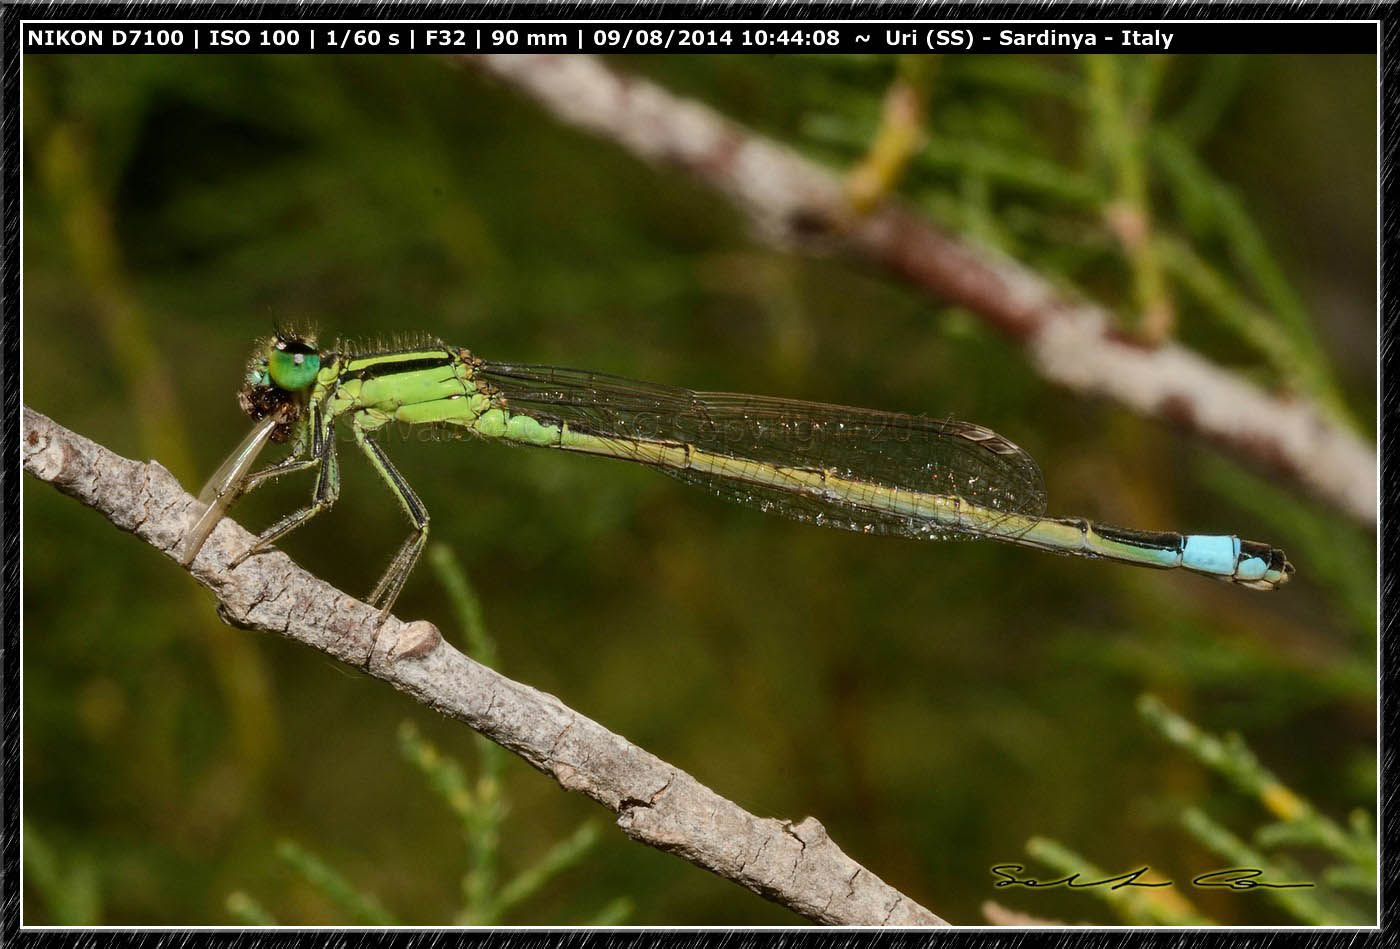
[
  {"x": 796, "y": 202},
  {"x": 793, "y": 864}
]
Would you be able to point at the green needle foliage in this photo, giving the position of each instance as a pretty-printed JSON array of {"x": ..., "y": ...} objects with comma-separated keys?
[
  {"x": 1299, "y": 903},
  {"x": 1299, "y": 826},
  {"x": 1149, "y": 215},
  {"x": 1328, "y": 902},
  {"x": 1154, "y": 906},
  {"x": 360, "y": 907}
]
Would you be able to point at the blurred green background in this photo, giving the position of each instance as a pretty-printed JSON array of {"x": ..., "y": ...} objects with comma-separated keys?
[{"x": 936, "y": 706}]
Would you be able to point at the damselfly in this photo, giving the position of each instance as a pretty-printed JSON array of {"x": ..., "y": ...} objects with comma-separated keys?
[{"x": 856, "y": 469}]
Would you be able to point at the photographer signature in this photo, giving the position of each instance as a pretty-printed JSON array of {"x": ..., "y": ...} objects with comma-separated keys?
[{"x": 1232, "y": 878}]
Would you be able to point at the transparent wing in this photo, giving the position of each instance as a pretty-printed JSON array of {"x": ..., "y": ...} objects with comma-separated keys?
[
  {"x": 222, "y": 487},
  {"x": 886, "y": 449}
]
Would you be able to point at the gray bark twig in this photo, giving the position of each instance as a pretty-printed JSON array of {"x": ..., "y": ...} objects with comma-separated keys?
[
  {"x": 793, "y": 864},
  {"x": 796, "y": 202}
]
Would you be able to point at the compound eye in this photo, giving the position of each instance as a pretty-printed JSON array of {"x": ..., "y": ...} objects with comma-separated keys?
[{"x": 292, "y": 364}]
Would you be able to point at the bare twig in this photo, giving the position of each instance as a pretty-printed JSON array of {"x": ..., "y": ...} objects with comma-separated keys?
[
  {"x": 793, "y": 864},
  {"x": 795, "y": 201}
]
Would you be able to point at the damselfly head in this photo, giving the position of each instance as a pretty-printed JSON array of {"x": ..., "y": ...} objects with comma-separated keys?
[{"x": 278, "y": 375}]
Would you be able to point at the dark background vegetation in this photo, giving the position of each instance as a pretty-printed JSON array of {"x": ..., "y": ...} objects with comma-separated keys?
[{"x": 934, "y": 705}]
